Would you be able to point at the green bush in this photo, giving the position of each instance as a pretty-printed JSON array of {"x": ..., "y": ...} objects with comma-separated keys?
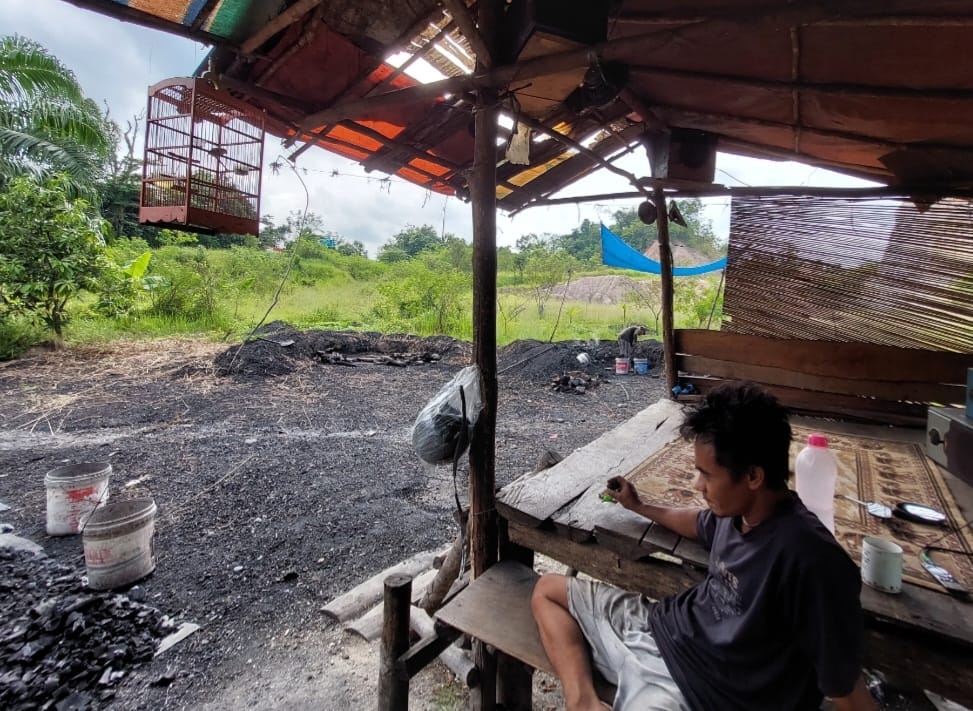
[{"x": 17, "y": 335}]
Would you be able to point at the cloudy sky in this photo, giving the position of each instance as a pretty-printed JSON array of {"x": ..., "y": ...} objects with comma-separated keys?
[{"x": 116, "y": 62}]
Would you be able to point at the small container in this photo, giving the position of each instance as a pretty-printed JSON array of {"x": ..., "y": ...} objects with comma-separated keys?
[
  {"x": 816, "y": 472},
  {"x": 621, "y": 366},
  {"x": 641, "y": 366}
]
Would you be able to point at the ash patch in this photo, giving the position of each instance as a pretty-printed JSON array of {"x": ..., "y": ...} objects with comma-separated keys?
[
  {"x": 62, "y": 645},
  {"x": 279, "y": 349},
  {"x": 542, "y": 363}
]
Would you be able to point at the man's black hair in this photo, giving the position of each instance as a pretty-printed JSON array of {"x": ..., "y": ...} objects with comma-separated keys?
[{"x": 747, "y": 427}]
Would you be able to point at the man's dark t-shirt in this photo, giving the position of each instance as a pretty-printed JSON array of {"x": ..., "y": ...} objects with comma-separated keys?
[{"x": 776, "y": 622}]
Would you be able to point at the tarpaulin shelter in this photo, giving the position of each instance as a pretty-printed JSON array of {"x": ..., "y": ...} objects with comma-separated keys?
[{"x": 879, "y": 89}]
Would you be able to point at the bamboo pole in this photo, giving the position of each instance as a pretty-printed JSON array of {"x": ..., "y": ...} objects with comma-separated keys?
[{"x": 665, "y": 258}]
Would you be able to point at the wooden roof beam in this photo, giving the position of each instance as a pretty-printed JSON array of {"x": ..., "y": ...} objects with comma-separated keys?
[
  {"x": 203, "y": 14},
  {"x": 789, "y": 15},
  {"x": 461, "y": 16},
  {"x": 282, "y": 21},
  {"x": 140, "y": 17},
  {"x": 676, "y": 191},
  {"x": 710, "y": 121},
  {"x": 575, "y": 146},
  {"x": 499, "y": 76},
  {"x": 833, "y": 88}
]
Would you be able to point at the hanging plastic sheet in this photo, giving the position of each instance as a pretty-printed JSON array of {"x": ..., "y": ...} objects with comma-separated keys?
[{"x": 615, "y": 253}]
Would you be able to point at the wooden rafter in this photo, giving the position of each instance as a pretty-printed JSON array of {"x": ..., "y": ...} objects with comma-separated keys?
[
  {"x": 203, "y": 14},
  {"x": 864, "y": 91},
  {"x": 140, "y": 17},
  {"x": 461, "y": 16},
  {"x": 691, "y": 118},
  {"x": 282, "y": 21},
  {"x": 499, "y": 76},
  {"x": 787, "y": 15}
]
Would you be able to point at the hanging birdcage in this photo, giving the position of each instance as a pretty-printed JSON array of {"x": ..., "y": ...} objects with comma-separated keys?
[{"x": 203, "y": 153}]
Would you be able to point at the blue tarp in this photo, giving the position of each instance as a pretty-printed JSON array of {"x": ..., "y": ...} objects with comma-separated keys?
[{"x": 615, "y": 253}]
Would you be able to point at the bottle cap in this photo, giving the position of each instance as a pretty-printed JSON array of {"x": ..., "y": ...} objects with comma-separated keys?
[{"x": 817, "y": 440}]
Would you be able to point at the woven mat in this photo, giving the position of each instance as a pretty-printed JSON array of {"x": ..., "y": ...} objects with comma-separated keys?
[{"x": 868, "y": 469}]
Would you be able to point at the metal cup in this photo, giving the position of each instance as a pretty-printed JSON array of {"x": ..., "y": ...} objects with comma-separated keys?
[{"x": 882, "y": 564}]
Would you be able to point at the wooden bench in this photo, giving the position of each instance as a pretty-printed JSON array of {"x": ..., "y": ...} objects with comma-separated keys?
[
  {"x": 853, "y": 380},
  {"x": 495, "y": 608}
]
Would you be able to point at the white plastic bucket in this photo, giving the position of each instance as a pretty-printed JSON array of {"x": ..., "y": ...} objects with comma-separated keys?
[
  {"x": 118, "y": 545},
  {"x": 73, "y": 492},
  {"x": 621, "y": 366},
  {"x": 641, "y": 366}
]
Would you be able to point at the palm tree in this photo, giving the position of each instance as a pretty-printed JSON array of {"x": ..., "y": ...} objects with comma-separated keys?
[{"x": 46, "y": 123}]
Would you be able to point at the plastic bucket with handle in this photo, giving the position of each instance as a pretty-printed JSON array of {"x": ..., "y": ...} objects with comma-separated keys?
[
  {"x": 641, "y": 366},
  {"x": 73, "y": 492},
  {"x": 118, "y": 545}
]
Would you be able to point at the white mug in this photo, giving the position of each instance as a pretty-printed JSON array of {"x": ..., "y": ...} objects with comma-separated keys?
[{"x": 882, "y": 564}]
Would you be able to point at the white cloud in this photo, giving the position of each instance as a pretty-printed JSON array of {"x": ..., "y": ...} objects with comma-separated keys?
[{"x": 116, "y": 62}]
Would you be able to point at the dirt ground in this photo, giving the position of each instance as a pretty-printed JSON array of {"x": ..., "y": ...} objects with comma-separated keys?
[{"x": 281, "y": 482}]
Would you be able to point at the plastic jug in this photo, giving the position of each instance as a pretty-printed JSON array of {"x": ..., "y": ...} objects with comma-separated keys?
[{"x": 816, "y": 471}]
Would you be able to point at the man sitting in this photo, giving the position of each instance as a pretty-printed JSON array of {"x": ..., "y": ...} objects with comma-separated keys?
[{"x": 777, "y": 621}]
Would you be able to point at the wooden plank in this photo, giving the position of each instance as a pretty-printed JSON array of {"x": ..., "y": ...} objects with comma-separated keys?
[
  {"x": 654, "y": 579},
  {"x": 535, "y": 498},
  {"x": 495, "y": 608},
  {"x": 425, "y": 651},
  {"x": 660, "y": 538},
  {"x": 910, "y": 414},
  {"x": 691, "y": 552},
  {"x": 828, "y": 358},
  {"x": 363, "y": 596},
  {"x": 907, "y": 662},
  {"x": 455, "y": 659},
  {"x": 914, "y": 391}
]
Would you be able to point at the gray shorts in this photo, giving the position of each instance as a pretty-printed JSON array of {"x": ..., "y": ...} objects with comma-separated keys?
[{"x": 616, "y": 625}]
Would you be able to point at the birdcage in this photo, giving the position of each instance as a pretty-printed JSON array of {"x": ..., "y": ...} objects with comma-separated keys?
[{"x": 203, "y": 153}]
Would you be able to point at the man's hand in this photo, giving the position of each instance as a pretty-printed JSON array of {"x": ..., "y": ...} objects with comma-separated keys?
[
  {"x": 680, "y": 520},
  {"x": 622, "y": 491}
]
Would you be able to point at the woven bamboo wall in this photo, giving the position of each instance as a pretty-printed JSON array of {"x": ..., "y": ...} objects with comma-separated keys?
[{"x": 845, "y": 269}]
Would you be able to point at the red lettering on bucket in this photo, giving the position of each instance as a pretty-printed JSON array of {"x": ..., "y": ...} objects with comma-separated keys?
[
  {"x": 80, "y": 494},
  {"x": 98, "y": 556}
]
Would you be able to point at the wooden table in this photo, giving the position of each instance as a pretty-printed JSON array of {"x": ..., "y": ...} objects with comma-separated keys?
[{"x": 920, "y": 638}]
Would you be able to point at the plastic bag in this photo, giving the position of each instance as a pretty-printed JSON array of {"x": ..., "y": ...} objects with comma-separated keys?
[{"x": 438, "y": 434}]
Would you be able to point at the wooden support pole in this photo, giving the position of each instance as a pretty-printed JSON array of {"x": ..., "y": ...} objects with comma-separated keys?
[
  {"x": 482, "y": 481},
  {"x": 665, "y": 259},
  {"x": 393, "y": 687}
]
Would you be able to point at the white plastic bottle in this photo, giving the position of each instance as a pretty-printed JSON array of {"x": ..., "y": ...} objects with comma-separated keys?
[{"x": 816, "y": 472}]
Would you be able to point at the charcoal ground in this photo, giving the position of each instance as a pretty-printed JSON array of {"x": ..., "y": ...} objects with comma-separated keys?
[{"x": 281, "y": 482}]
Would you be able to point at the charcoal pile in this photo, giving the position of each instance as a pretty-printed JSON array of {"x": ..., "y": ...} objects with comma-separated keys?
[
  {"x": 278, "y": 349},
  {"x": 575, "y": 381},
  {"x": 400, "y": 360},
  {"x": 63, "y": 646}
]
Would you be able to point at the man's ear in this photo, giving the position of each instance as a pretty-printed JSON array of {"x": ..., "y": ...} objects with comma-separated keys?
[{"x": 755, "y": 478}]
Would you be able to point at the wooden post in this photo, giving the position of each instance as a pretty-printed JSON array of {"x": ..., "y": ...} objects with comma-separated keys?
[
  {"x": 482, "y": 481},
  {"x": 665, "y": 258},
  {"x": 393, "y": 688}
]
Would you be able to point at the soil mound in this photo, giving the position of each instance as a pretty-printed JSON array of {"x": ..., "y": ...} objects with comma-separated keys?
[
  {"x": 598, "y": 289},
  {"x": 278, "y": 349},
  {"x": 682, "y": 256},
  {"x": 534, "y": 361}
]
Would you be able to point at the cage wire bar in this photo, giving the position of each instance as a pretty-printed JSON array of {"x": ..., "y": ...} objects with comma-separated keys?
[{"x": 203, "y": 157}]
